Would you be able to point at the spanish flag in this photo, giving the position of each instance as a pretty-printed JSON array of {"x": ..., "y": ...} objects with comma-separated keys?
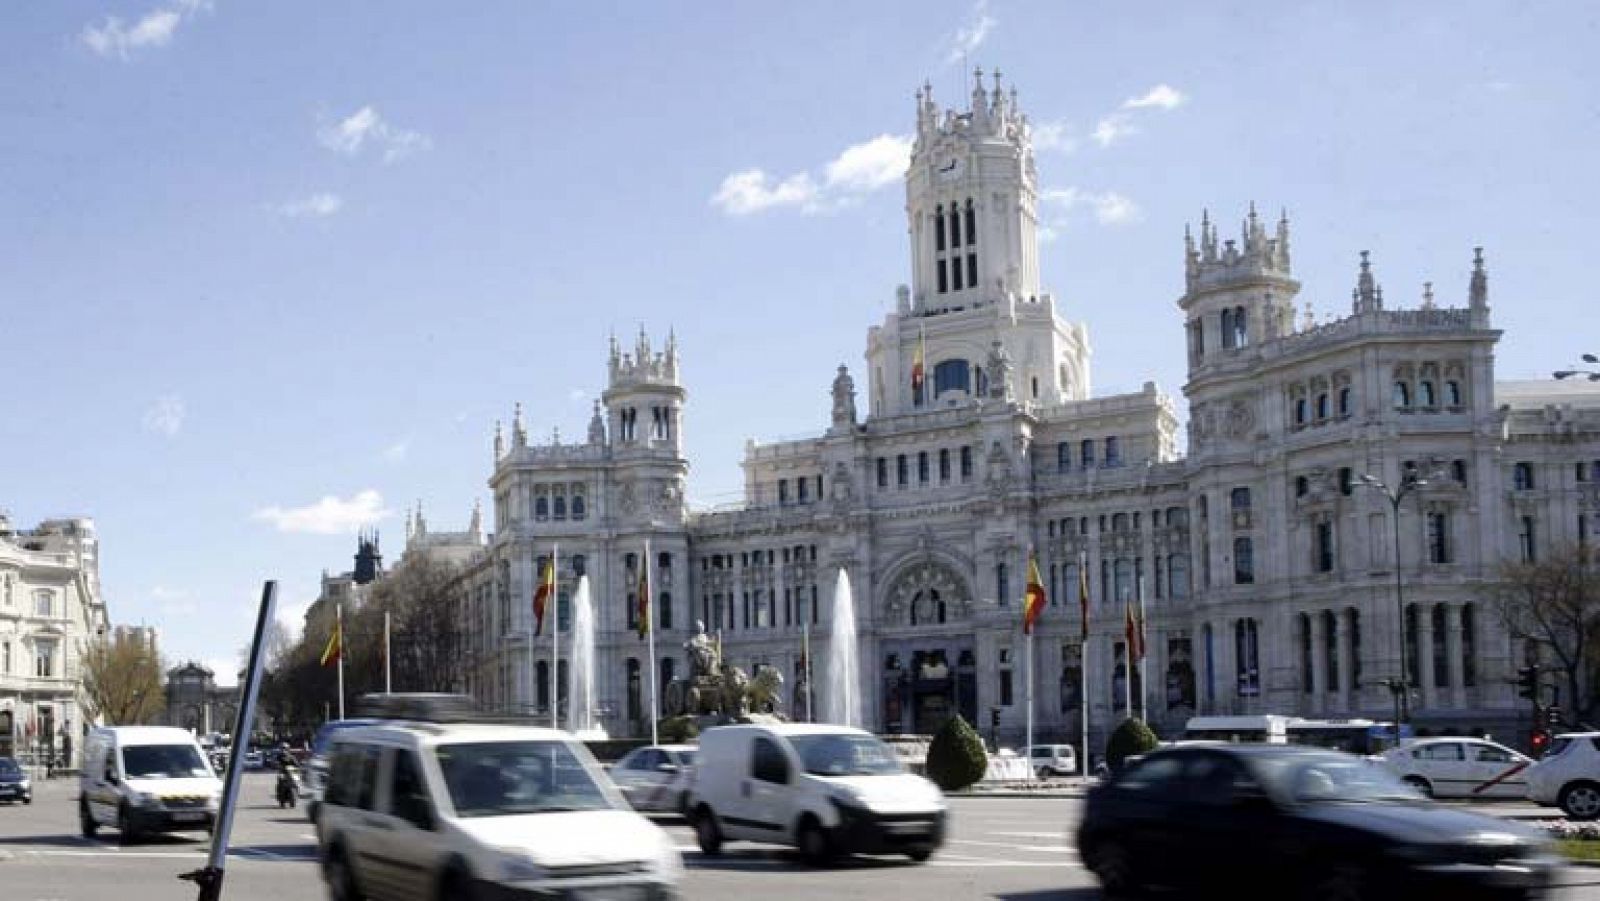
[
  {"x": 541, "y": 595},
  {"x": 1083, "y": 593},
  {"x": 644, "y": 595},
  {"x": 1134, "y": 632},
  {"x": 335, "y": 648},
  {"x": 1033, "y": 598},
  {"x": 919, "y": 362}
]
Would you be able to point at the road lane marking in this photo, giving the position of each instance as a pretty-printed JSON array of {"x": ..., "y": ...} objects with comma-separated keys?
[
  {"x": 1052, "y": 835},
  {"x": 992, "y": 864},
  {"x": 1013, "y": 846}
]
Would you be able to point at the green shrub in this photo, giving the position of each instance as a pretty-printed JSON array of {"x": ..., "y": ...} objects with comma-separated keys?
[
  {"x": 678, "y": 730},
  {"x": 1130, "y": 739},
  {"x": 956, "y": 757}
]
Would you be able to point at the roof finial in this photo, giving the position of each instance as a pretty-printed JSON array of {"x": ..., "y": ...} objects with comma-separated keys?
[
  {"x": 1478, "y": 290},
  {"x": 1427, "y": 295},
  {"x": 1367, "y": 296}
]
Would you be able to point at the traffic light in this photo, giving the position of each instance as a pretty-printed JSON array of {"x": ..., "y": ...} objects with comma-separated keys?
[
  {"x": 1552, "y": 717},
  {"x": 1539, "y": 741},
  {"x": 1528, "y": 682},
  {"x": 994, "y": 718}
]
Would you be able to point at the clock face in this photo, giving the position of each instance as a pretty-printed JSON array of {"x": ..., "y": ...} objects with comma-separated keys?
[{"x": 949, "y": 169}]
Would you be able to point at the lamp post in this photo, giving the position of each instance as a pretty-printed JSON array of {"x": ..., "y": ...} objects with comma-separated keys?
[{"x": 1409, "y": 482}]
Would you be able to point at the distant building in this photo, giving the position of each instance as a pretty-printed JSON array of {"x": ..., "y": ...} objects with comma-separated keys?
[
  {"x": 195, "y": 701},
  {"x": 50, "y": 606},
  {"x": 345, "y": 588}
]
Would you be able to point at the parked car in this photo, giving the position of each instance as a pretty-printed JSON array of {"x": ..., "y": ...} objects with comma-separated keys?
[
  {"x": 1052, "y": 760},
  {"x": 822, "y": 789},
  {"x": 1568, "y": 775},
  {"x": 1460, "y": 768},
  {"x": 14, "y": 782},
  {"x": 656, "y": 777},
  {"x": 145, "y": 779},
  {"x": 471, "y": 810},
  {"x": 1305, "y": 821}
]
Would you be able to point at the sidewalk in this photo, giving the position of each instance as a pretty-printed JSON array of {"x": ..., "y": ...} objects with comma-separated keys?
[{"x": 1051, "y": 788}]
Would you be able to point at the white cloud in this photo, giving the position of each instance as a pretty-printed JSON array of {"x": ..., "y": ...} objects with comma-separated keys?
[
  {"x": 1111, "y": 208},
  {"x": 1112, "y": 128},
  {"x": 398, "y": 451},
  {"x": 1107, "y": 208},
  {"x": 329, "y": 516},
  {"x": 115, "y": 38},
  {"x": 312, "y": 206},
  {"x": 1054, "y": 136},
  {"x": 1162, "y": 96},
  {"x": 971, "y": 35},
  {"x": 365, "y": 127},
  {"x": 752, "y": 191},
  {"x": 856, "y": 171},
  {"x": 577, "y": 395},
  {"x": 165, "y": 416}
]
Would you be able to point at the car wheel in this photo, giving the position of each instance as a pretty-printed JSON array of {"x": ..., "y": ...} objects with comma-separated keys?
[
  {"x": 683, "y": 803},
  {"x": 1113, "y": 866},
  {"x": 456, "y": 886},
  {"x": 1580, "y": 800},
  {"x": 815, "y": 847},
  {"x": 340, "y": 877},
  {"x": 1043, "y": 773},
  {"x": 86, "y": 823},
  {"x": 1343, "y": 884},
  {"x": 1420, "y": 784},
  {"x": 920, "y": 854},
  {"x": 126, "y": 834},
  {"x": 706, "y": 832}
]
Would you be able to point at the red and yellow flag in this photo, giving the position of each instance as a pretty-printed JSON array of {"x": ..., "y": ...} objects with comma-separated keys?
[
  {"x": 335, "y": 648},
  {"x": 644, "y": 596},
  {"x": 1134, "y": 632},
  {"x": 1033, "y": 597},
  {"x": 919, "y": 361},
  {"x": 542, "y": 594},
  {"x": 1083, "y": 594}
]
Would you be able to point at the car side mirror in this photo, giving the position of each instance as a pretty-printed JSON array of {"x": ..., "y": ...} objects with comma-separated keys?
[
  {"x": 667, "y": 768},
  {"x": 111, "y": 775}
]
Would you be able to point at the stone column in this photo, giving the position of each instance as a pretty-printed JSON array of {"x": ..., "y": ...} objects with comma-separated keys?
[
  {"x": 1425, "y": 654},
  {"x": 1319, "y": 661},
  {"x": 1341, "y": 622},
  {"x": 1227, "y": 678},
  {"x": 1452, "y": 649}
]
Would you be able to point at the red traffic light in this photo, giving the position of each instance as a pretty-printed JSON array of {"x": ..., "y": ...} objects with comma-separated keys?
[{"x": 1540, "y": 740}]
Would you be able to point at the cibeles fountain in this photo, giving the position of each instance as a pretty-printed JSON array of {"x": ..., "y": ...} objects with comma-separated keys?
[
  {"x": 581, "y": 720},
  {"x": 843, "y": 699}
]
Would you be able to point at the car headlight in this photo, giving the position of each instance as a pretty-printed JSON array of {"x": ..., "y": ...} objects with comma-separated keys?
[
  {"x": 144, "y": 799},
  {"x": 516, "y": 867},
  {"x": 26, "y": 784}
]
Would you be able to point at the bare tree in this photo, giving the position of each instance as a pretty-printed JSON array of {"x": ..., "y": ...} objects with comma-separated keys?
[
  {"x": 1553, "y": 603},
  {"x": 122, "y": 678}
]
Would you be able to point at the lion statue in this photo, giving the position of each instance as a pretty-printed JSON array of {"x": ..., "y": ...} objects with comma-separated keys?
[{"x": 765, "y": 691}]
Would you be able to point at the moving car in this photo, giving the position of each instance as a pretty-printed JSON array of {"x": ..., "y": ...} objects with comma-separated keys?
[
  {"x": 316, "y": 771},
  {"x": 1460, "y": 768},
  {"x": 145, "y": 779},
  {"x": 656, "y": 777},
  {"x": 450, "y": 808},
  {"x": 1308, "y": 822},
  {"x": 14, "y": 782},
  {"x": 819, "y": 788},
  {"x": 1052, "y": 760},
  {"x": 1568, "y": 775}
]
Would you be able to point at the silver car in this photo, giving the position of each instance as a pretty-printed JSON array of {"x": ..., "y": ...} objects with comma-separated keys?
[{"x": 656, "y": 777}]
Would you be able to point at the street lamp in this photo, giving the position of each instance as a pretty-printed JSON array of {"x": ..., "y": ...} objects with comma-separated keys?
[
  {"x": 1409, "y": 482},
  {"x": 1592, "y": 375}
]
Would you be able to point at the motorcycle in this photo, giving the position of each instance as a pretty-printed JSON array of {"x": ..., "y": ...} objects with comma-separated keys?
[{"x": 288, "y": 787}]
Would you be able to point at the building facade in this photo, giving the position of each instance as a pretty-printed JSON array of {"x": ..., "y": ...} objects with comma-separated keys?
[
  {"x": 50, "y": 608},
  {"x": 1265, "y": 563}
]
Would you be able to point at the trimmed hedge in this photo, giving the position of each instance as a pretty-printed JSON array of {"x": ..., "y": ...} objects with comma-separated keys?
[
  {"x": 956, "y": 758},
  {"x": 1130, "y": 739}
]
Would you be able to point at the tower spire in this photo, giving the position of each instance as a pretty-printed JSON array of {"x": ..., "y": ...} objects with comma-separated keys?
[
  {"x": 1478, "y": 289},
  {"x": 1367, "y": 295}
]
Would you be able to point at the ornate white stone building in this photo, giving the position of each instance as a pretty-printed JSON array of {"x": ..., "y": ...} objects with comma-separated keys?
[
  {"x": 1268, "y": 568},
  {"x": 50, "y": 606}
]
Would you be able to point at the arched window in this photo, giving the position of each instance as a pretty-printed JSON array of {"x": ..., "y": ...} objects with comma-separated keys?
[
  {"x": 1178, "y": 576},
  {"x": 1227, "y": 329},
  {"x": 1344, "y": 402},
  {"x": 955, "y": 234},
  {"x": 1322, "y": 406},
  {"x": 972, "y": 225},
  {"x": 1247, "y": 659},
  {"x": 1113, "y": 451},
  {"x": 1299, "y": 411},
  {"x": 1402, "y": 394},
  {"x": 952, "y": 375},
  {"x": 1452, "y": 393},
  {"x": 541, "y": 508},
  {"x": 578, "y": 511},
  {"x": 1119, "y": 522},
  {"x": 1244, "y": 561},
  {"x": 938, "y": 229},
  {"x": 561, "y": 506},
  {"x": 664, "y": 609},
  {"x": 1425, "y": 393},
  {"x": 1086, "y": 453},
  {"x": 1239, "y": 499},
  {"x": 1063, "y": 456},
  {"x": 1241, "y": 331}
]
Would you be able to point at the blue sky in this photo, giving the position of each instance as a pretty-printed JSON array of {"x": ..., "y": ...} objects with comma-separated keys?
[{"x": 269, "y": 272}]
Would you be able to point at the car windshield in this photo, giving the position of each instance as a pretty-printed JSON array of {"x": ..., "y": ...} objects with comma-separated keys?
[
  {"x": 8, "y": 767},
  {"x": 491, "y": 779},
  {"x": 319, "y": 743},
  {"x": 163, "y": 762},
  {"x": 1319, "y": 778},
  {"x": 845, "y": 754},
  {"x": 686, "y": 758}
]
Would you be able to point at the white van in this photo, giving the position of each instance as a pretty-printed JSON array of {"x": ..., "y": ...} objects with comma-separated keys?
[
  {"x": 822, "y": 789},
  {"x": 1049, "y": 761},
  {"x": 145, "y": 779}
]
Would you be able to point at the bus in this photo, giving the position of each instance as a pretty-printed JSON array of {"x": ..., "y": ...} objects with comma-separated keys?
[
  {"x": 1364, "y": 737},
  {"x": 1270, "y": 729}
]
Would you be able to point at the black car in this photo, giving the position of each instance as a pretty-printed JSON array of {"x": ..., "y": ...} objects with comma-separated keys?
[
  {"x": 14, "y": 782},
  {"x": 1297, "y": 823}
]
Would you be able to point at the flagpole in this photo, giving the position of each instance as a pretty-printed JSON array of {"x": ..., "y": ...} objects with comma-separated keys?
[
  {"x": 650, "y": 633},
  {"x": 388, "y": 660},
  {"x": 1127, "y": 658},
  {"x": 555, "y": 636},
  {"x": 338, "y": 613},
  {"x": 805, "y": 667},
  {"x": 1083, "y": 662},
  {"x": 1144, "y": 688},
  {"x": 533, "y": 622},
  {"x": 1028, "y": 652}
]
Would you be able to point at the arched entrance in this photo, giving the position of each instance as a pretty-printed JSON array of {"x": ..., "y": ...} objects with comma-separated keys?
[{"x": 927, "y": 656}]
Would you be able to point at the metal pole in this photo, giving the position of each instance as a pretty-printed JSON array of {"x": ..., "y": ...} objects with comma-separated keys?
[
  {"x": 338, "y": 613},
  {"x": 1028, "y": 651},
  {"x": 555, "y": 637},
  {"x": 650, "y": 632},
  {"x": 209, "y": 878},
  {"x": 388, "y": 661},
  {"x": 1143, "y": 633},
  {"x": 1083, "y": 704},
  {"x": 1400, "y": 612}
]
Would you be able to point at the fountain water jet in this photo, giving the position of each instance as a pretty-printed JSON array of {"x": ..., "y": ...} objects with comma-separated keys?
[
  {"x": 580, "y": 672},
  {"x": 843, "y": 700}
]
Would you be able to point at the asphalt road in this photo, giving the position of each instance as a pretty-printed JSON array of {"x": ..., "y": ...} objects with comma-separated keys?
[{"x": 1010, "y": 849}]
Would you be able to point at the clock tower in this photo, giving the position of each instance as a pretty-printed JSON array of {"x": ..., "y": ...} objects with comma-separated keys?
[{"x": 972, "y": 202}]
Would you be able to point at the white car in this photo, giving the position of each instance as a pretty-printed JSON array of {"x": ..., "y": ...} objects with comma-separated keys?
[
  {"x": 822, "y": 789},
  {"x": 1052, "y": 760},
  {"x": 1568, "y": 775},
  {"x": 145, "y": 779},
  {"x": 1460, "y": 768},
  {"x": 445, "y": 808},
  {"x": 656, "y": 777}
]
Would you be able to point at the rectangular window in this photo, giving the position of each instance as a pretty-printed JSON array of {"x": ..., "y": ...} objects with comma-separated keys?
[
  {"x": 883, "y": 472},
  {"x": 1007, "y": 694},
  {"x": 922, "y": 467},
  {"x": 966, "y": 462},
  {"x": 938, "y": 230},
  {"x": 1063, "y": 456},
  {"x": 943, "y": 284},
  {"x": 1086, "y": 453},
  {"x": 1002, "y": 585},
  {"x": 1526, "y": 540},
  {"x": 1113, "y": 452},
  {"x": 955, "y": 233},
  {"x": 972, "y": 270},
  {"x": 1522, "y": 476},
  {"x": 1458, "y": 471},
  {"x": 1244, "y": 563},
  {"x": 1438, "y": 538},
  {"x": 944, "y": 464},
  {"x": 42, "y": 603},
  {"x": 1324, "y": 547},
  {"x": 44, "y": 659},
  {"x": 955, "y": 272},
  {"x": 972, "y": 226},
  {"x": 783, "y": 491},
  {"x": 902, "y": 471},
  {"x": 803, "y": 489},
  {"x": 1346, "y": 481}
]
